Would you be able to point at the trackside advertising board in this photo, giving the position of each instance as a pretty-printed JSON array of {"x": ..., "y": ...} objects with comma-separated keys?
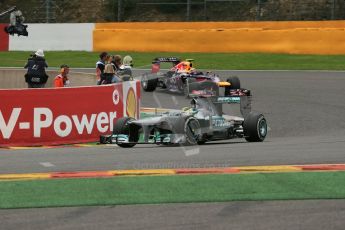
[
  {"x": 4, "y": 38},
  {"x": 33, "y": 117}
]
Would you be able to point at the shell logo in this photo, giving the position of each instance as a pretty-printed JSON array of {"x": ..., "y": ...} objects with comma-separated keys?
[
  {"x": 131, "y": 103},
  {"x": 116, "y": 97}
]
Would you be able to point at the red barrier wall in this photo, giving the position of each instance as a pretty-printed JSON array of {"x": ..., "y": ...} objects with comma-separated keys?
[
  {"x": 4, "y": 38},
  {"x": 31, "y": 117}
]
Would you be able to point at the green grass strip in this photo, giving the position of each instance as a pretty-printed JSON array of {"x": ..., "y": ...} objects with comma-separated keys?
[
  {"x": 172, "y": 189},
  {"x": 220, "y": 61}
]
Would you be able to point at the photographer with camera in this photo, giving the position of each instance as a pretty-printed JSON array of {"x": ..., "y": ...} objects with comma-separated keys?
[
  {"x": 16, "y": 25},
  {"x": 36, "y": 76}
]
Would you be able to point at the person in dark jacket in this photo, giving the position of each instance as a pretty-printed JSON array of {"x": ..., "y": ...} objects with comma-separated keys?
[
  {"x": 36, "y": 76},
  {"x": 100, "y": 65},
  {"x": 109, "y": 75}
]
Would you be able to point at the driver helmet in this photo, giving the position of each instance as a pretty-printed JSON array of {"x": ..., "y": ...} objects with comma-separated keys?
[
  {"x": 184, "y": 66},
  {"x": 187, "y": 65},
  {"x": 193, "y": 103}
]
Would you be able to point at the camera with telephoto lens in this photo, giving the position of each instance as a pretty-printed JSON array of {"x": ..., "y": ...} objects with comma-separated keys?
[
  {"x": 16, "y": 25},
  {"x": 19, "y": 29}
]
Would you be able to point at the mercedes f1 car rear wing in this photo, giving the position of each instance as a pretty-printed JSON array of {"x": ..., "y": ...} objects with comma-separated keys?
[{"x": 242, "y": 97}]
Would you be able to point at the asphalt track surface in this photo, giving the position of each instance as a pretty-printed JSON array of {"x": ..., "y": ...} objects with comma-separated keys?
[
  {"x": 282, "y": 215},
  {"x": 305, "y": 112}
]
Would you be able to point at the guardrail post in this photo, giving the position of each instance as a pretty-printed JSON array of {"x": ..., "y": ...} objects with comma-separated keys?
[
  {"x": 258, "y": 11},
  {"x": 119, "y": 10},
  {"x": 47, "y": 10},
  {"x": 205, "y": 10},
  {"x": 188, "y": 10},
  {"x": 332, "y": 9}
]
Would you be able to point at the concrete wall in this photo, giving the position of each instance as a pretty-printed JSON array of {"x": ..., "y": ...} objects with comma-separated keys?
[
  {"x": 322, "y": 37},
  {"x": 14, "y": 78},
  {"x": 301, "y": 37}
]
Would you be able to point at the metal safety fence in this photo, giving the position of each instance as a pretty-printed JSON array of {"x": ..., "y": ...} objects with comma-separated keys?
[{"x": 61, "y": 11}]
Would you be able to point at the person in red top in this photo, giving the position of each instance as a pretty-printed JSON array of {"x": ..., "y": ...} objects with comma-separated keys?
[{"x": 62, "y": 80}]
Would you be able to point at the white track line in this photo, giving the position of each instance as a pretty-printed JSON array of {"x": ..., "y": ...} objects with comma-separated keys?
[{"x": 47, "y": 164}]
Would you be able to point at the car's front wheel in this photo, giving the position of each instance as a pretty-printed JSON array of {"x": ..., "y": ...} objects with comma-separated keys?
[
  {"x": 149, "y": 83},
  {"x": 122, "y": 127}
]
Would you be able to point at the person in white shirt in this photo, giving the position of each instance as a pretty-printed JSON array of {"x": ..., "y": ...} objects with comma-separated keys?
[{"x": 126, "y": 68}]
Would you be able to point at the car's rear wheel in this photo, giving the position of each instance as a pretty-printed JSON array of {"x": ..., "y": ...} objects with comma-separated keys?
[
  {"x": 235, "y": 83},
  {"x": 255, "y": 127},
  {"x": 149, "y": 83},
  {"x": 122, "y": 127}
]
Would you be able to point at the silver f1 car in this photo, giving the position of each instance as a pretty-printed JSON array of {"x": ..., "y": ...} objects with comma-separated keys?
[
  {"x": 202, "y": 122},
  {"x": 183, "y": 78}
]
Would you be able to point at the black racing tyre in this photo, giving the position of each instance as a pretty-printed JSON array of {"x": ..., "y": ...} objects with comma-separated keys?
[
  {"x": 103, "y": 139},
  {"x": 189, "y": 127},
  {"x": 234, "y": 84},
  {"x": 122, "y": 127},
  {"x": 255, "y": 127},
  {"x": 192, "y": 131},
  {"x": 201, "y": 142},
  {"x": 163, "y": 85},
  {"x": 149, "y": 83}
]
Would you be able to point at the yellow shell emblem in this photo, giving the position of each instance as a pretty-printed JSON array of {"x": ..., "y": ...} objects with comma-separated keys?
[{"x": 131, "y": 103}]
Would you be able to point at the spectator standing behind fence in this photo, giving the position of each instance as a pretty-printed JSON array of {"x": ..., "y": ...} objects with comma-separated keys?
[
  {"x": 109, "y": 75},
  {"x": 116, "y": 62},
  {"x": 62, "y": 80},
  {"x": 36, "y": 76},
  {"x": 126, "y": 68},
  {"x": 100, "y": 65}
]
